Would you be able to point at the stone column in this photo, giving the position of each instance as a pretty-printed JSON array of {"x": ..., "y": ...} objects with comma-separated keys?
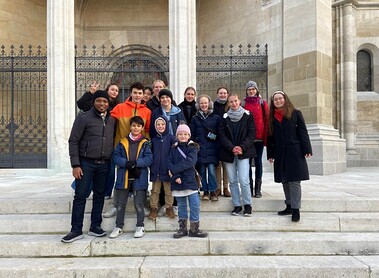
[
  {"x": 349, "y": 85},
  {"x": 60, "y": 82},
  {"x": 182, "y": 44}
]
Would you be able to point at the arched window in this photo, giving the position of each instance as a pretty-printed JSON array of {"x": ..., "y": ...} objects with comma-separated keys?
[{"x": 363, "y": 71}]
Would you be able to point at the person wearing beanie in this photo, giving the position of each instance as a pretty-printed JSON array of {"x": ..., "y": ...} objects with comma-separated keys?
[
  {"x": 188, "y": 105},
  {"x": 204, "y": 127},
  {"x": 86, "y": 101},
  {"x": 258, "y": 108},
  {"x": 288, "y": 146},
  {"x": 90, "y": 149},
  {"x": 173, "y": 114},
  {"x": 220, "y": 107},
  {"x": 181, "y": 165}
]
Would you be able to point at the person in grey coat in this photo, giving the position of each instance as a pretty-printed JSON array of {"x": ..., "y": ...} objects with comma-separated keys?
[{"x": 288, "y": 146}]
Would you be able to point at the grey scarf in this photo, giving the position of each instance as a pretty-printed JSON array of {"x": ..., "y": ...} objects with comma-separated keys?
[{"x": 235, "y": 115}]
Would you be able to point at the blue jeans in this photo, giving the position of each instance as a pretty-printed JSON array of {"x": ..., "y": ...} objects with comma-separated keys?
[
  {"x": 95, "y": 174},
  {"x": 209, "y": 184},
  {"x": 194, "y": 205},
  {"x": 239, "y": 171}
]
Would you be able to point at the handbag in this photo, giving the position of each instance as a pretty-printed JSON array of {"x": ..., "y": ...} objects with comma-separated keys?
[{"x": 197, "y": 175}]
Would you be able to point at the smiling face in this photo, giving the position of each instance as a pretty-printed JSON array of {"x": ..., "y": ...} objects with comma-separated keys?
[
  {"x": 136, "y": 129},
  {"x": 146, "y": 95},
  {"x": 160, "y": 126},
  {"x": 251, "y": 91},
  {"x": 204, "y": 104},
  {"x": 279, "y": 100},
  {"x": 101, "y": 104},
  {"x": 183, "y": 137},
  {"x": 157, "y": 86},
  {"x": 165, "y": 101},
  {"x": 113, "y": 92},
  {"x": 190, "y": 95},
  {"x": 222, "y": 94},
  {"x": 137, "y": 95},
  {"x": 234, "y": 102}
]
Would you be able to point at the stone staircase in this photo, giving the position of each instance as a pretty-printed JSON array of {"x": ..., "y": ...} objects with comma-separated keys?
[{"x": 336, "y": 237}]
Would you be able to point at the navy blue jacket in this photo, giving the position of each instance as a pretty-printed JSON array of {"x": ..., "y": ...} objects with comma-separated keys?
[
  {"x": 209, "y": 149},
  {"x": 175, "y": 120},
  {"x": 160, "y": 146},
  {"x": 183, "y": 168},
  {"x": 144, "y": 160}
]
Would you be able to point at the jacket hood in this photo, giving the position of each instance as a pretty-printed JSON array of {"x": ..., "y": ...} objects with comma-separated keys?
[{"x": 166, "y": 129}]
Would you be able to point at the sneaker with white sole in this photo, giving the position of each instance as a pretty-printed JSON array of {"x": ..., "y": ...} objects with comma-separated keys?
[
  {"x": 110, "y": 213},
  {"x": 140, "y": 232},
  {"x": 72, "y": 236},
  {"x": 116, "y": 232},
  {"x": 97, "y": 232}
]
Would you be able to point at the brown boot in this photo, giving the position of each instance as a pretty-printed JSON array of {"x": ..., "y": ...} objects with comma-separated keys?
[
  {"x": 153, "y": 213},
  {"x": 170, "y": 212},
  {"x": 218, "y": 192},
  {"x": 227, "y": 192}
]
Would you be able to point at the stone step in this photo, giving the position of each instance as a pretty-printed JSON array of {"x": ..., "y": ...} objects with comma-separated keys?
[
  {"x": 210, "y": 221},
  {"x": 269, "y": 204},
  {"x": 217, "y": 243},
  {"x": 193, "y": 266}
]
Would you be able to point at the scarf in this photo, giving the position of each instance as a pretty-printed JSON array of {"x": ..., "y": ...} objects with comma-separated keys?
[
  {"x": 221, "y": 101},
  {"x": 205, "y": 115},
  {"x": 279, "y": 114},
  {"x": 135, "y": 138},
  {"x": 235, "y": 115}
]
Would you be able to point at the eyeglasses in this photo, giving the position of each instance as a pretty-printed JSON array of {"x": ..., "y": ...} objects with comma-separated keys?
[
  {"x": 279, "y": 98},
  {"x": 251, "y": 89}
]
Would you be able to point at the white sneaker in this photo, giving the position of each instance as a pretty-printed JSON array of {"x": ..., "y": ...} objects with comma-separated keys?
[
  {"x": 140, "y": 232},
  {"x": 175, "y": 209},
  {"x": 116, "y": 232},
  {"x": 110, "y": 213}
]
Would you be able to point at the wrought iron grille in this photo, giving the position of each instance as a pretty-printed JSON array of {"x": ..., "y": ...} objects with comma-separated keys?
[
  {"x": 23, "y": 123},
  {"x": 23, "y": 85}
]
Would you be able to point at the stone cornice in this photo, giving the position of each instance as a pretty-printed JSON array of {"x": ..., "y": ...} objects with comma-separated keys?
[{"x": 356, "y": 3}]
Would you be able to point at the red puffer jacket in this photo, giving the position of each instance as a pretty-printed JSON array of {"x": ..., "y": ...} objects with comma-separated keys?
[{"x": 258, "y": 107}]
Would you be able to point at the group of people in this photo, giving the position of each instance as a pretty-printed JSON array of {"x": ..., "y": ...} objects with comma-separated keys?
[{"x": 150, "y": 138}]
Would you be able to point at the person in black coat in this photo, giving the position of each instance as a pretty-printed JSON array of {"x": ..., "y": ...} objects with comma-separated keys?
[
  {"x": 237, "y": 134},
  {"x": 188, "y": 105},
  {"x": 204, "y": 130},
  {"x": 288, "y": 146}
]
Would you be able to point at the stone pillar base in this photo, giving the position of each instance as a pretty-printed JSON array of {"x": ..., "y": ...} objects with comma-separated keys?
[{"x": 329, "y": 150}]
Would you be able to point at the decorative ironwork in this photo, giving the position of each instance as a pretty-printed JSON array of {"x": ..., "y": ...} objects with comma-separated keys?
[
  {"x": 23, "y": 124},
  {"x": 23, "y": 86}
]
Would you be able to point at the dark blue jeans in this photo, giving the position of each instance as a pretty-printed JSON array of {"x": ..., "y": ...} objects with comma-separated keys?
[
  {"x": 257, "y": 161},
  {"x": 96, "y": 174}
]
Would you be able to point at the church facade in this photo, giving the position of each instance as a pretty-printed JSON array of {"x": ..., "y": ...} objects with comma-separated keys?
[{"x": 324, "y": 54}]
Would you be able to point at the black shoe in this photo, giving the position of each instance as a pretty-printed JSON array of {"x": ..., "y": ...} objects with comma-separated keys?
[
  {"x": 247, "y": 211},
  {"x": 237, "y": 210},
  {"x": 295, "y": 215},
  {"x": 97, "y": 232},
  {"x": 287, "y": 211},
  {"x": 72, "y": 236}
]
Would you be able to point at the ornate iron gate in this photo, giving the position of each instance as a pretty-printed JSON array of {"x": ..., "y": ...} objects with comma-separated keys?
[
  {"x": 23, "y": 123},
  {"x": 23, "y": 120}
]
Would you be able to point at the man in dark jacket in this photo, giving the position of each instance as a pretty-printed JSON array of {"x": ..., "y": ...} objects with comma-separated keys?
[{"x": 90, "y": 148}]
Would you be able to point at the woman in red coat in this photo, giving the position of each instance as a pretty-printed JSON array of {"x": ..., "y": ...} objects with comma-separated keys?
[{"x": 259, "y": 110}]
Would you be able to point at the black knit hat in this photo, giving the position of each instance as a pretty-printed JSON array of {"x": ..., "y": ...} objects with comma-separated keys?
[
  {"x": 100, "y": 93},
  {"x": 165, "y": 92}
]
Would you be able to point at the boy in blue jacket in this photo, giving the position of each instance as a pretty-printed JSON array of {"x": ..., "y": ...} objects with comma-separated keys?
[
  {"x": 181, "y": 165},
  {"x": 160, "y": 146},
  {"x": 132, "y": 156}
]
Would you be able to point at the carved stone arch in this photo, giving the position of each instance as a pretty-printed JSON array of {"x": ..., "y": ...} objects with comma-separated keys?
[{"x": 373, "y": 51}]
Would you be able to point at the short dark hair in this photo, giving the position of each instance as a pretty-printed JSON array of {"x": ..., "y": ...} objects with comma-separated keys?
[
  {"x": 137, "y": 85},
  {"x": 137, "y": 120}
]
